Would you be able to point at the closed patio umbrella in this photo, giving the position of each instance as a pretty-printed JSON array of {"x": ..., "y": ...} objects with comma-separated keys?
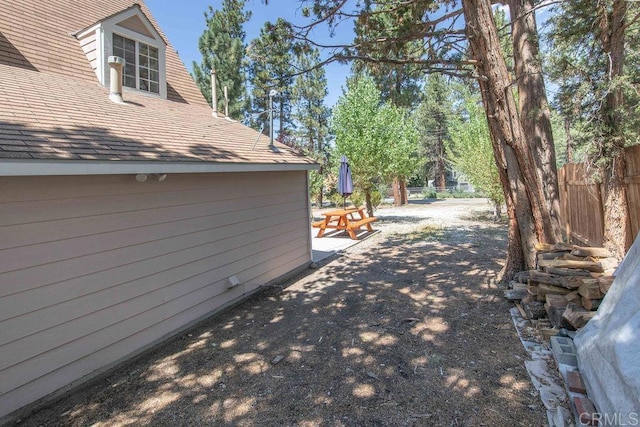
[{"x": 345, "y": 184}]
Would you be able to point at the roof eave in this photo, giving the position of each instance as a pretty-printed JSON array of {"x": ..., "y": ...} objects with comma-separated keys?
[
  {"x": 134, "y": 7},
  {"x": 26, "y": 167}
]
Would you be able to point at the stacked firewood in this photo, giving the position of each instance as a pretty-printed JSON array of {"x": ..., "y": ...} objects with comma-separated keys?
[{"x": 567, "y": 286}]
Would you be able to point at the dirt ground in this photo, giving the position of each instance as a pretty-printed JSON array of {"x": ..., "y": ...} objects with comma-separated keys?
[{"x": 406, "y": 328}]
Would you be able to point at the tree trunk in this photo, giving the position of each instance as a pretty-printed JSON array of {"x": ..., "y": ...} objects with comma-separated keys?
[
  {"x": 616, "y": 210},
  {"x": 367, "y": 198},
  {"x": 617, "y": 235},
  {"x": 515, "y": 255},
  {"x": 529, "y": 219},
  {"x": 399, "y": 192},
  {"x": 403, "y": 191},
  {"x": 440, "y": 179},
  {"x": 397, "y": 198},
  {"x": 515, "y": 260},
  {"x": 534, "y": 112},
  {"x": 525, "y": 220},
  {"x": 521, "y": 239},
  {"x": 497, "y": 210}
]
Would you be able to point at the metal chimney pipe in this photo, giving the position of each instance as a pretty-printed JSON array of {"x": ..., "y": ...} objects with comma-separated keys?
[
  {"x": 214, "y": 93},
  {"x": 226, "y": 102},
  {"x": 272, "y": 93},
  {"x": 116, "y": 64}
]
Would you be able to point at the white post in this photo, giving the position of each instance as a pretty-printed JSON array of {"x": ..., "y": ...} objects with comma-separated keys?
[
  {"x": 271, "y": 95},
  {"x": 214, "y": 93},
  {"x": 226, "y": 102}
]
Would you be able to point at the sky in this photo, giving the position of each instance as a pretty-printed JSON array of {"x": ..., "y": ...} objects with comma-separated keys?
[{"x": 183, "y": 23}]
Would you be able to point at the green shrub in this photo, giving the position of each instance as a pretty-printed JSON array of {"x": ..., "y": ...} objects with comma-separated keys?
[
  {"x": 429, "y": 193},
  {"x": 336, "y": 199},
  {"x": 376, "y": 198},
  {"x": 383, "y": 189},
  {"x": 357, "y": 198}
]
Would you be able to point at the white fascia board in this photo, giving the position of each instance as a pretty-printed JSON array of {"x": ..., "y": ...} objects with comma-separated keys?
[
  {"x": 125, "y": 32},
  {"x": 20, "y": 167},
  {"x": 82, "y": 33}
]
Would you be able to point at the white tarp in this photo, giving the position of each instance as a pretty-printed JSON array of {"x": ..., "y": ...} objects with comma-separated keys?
[{"x": 608, "y": 347}]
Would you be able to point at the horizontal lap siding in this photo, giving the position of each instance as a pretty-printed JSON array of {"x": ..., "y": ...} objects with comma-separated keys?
[
  {"x": 88, "y": 44},
  {"x": 94, "y": 268}
]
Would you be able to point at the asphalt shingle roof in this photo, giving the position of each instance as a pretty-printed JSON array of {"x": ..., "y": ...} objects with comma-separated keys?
[{"x": 53, "y": 107}]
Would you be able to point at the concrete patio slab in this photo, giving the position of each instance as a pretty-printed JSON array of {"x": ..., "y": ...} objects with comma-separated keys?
[{"x": 334, "y": 242}]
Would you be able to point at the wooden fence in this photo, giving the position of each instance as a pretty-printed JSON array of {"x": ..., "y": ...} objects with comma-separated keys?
[{"x": 582, "y": 203}]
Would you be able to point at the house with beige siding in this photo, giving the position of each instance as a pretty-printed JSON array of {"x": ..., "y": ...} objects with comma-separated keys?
[{"x": 126, "y": 214}]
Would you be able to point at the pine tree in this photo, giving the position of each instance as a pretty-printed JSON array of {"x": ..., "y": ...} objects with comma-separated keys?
[
  {"x": 312, "y": 117},
  {"x": 432, "y": 118},
  {"x": 398, "y": 83},
  {"x": 595, "y": 63},
  {"x": 309, "y": 110},
  {"x": 271, "y": 68},
  {"x": 223, "y": 48}
]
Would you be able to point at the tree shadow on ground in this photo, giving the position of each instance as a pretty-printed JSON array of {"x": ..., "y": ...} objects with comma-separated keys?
[
  {"x": 410, "y": 332},
  {"x": 422, "y": 201}
]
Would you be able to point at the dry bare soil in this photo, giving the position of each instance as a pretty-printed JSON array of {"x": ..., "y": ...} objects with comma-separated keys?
[{"x": 406, "y": 328}]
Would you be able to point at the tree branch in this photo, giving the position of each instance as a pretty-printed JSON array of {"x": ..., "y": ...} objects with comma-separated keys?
[{"x": 307, "y": 28}]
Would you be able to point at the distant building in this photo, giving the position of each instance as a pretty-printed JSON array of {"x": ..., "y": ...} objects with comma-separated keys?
[{"x": 455, "y": 181}]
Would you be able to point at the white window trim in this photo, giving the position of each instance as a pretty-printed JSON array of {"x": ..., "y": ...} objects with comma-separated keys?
[
  {"x": 104, "y": 40},
  {"x": 137, "y": 67}
]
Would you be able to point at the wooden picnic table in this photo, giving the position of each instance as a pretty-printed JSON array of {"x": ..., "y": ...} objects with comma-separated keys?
[{"x": 350, "y": 220}]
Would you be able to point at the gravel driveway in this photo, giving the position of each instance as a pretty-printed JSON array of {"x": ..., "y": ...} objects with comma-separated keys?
[{"x": 406, "y": 328}]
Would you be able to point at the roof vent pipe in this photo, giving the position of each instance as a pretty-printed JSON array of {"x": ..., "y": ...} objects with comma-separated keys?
[
  {"x": 214, "y": 94},
  {"x": 116, "y": 64}
]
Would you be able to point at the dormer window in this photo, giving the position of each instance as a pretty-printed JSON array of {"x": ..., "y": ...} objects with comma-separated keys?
[
  {"x": 129, "y": 35},
  {"x": 141, "y": 70}
]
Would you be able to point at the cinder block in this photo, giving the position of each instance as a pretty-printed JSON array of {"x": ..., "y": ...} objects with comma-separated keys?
[
  {"x": 587, "y": 414},
  {"x": 575, "y": 383},
  {"x": 564, "y": 351}
]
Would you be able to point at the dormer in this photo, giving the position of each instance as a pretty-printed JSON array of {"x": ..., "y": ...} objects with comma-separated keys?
[{"x": 130, "y": 35}]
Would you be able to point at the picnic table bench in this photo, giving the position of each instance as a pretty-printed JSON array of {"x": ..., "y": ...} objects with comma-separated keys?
[{"x": 350, "y": 220}]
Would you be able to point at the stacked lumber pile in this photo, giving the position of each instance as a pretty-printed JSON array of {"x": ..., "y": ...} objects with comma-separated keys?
[{"x": 566, "y": 288}]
